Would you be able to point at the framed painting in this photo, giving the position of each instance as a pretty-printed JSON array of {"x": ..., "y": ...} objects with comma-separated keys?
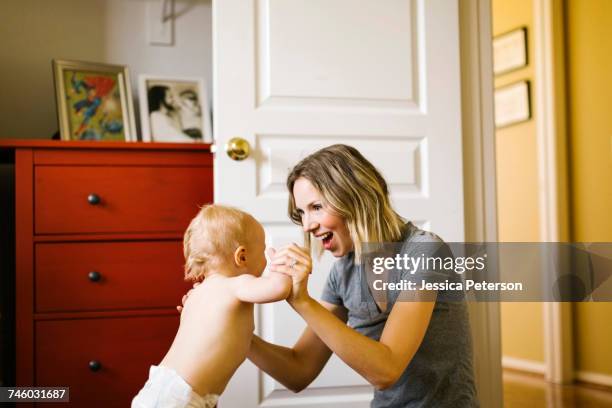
[
  {"x": 174, "y": 109},
  {"x": 94, "y": 101}
]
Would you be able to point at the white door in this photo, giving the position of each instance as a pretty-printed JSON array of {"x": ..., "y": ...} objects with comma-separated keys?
[{"x": 292, "y": 76}]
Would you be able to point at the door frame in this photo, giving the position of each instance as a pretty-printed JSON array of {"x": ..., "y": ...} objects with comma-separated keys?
[
  {"x": 553, "y": 181},
  {"x": 478, "y": 130}
]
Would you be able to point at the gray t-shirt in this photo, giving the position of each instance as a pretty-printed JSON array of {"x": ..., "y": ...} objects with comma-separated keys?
[{"x": 440, "y": 374}]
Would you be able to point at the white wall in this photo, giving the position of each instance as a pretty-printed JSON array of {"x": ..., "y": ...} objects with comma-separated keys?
[{"x": 33, "y": 32}]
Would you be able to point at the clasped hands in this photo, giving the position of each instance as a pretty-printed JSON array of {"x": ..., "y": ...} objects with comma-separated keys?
[{"x": 291, "y": 260}]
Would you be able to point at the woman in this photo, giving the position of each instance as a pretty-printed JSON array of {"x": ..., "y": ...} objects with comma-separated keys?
[{"x": 416, "y": 354}]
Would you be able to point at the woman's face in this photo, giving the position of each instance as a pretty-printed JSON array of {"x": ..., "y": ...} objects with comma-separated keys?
[{"x": 322, "y": 223}]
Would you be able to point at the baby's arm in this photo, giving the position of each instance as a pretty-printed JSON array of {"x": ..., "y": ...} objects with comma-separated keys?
[{"x": 265, "y": 289}]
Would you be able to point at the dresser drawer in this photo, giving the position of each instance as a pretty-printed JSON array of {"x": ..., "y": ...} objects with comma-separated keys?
[
  {"x": 108, "y": 275},
  {"x": 104, "y": 199},
  {"x": 124, "y": 348}
]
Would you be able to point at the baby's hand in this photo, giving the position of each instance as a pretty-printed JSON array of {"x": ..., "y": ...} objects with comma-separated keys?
[{"x": 185, "y": 296}]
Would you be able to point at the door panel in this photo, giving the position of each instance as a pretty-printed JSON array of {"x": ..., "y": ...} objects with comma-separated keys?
[{"x": 301, "y": 54}]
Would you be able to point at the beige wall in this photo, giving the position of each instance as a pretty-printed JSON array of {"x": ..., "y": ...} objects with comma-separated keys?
[
  {"x": 517, "y": 189},
  {"x": 589, "y": 30},
  {"x": 34, "y": 32}
]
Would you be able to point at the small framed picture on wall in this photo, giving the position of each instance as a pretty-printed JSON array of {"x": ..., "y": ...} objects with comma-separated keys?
[
  {"x": 510, "y": 51},
  {"x": 94, "y": 101},
  {"x": 512, "y": 104},
  {"x": 174, "y": 109}
]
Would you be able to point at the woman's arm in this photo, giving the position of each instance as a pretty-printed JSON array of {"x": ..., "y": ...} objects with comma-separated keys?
[
  {"x": 382, "y": 362},
  {"x": 296, "y": 367}
]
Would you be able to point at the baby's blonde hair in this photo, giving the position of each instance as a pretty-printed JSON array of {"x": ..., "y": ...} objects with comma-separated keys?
[{"x": 212, "y": 237}]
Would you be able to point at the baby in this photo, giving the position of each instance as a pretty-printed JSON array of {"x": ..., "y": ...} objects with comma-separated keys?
[{"x": 224, "y": 247}]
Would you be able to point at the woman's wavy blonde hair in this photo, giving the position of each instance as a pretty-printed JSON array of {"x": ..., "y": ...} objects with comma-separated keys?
[{"x": 352, "y": 188}]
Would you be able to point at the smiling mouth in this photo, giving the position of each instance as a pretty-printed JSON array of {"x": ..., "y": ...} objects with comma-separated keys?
[{"x": 326, "y": 239}]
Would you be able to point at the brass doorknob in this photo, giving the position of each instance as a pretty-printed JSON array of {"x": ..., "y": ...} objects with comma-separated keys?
[{"x": 237, "y": 148}]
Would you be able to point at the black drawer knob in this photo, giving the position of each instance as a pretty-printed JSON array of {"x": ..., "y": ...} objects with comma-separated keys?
[
  {"x": 95, "y": 365},
  {"x": 94, "y": 276},
  {"x": 93, "y": 199}
]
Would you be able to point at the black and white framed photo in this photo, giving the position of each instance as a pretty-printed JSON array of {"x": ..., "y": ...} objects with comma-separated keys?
[
  {"x": 174, "y": 109},
  {"x": 510, "y": 51},
  {"x": 512, "y": 104}
]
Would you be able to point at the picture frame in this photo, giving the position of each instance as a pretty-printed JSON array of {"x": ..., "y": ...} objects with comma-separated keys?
[
  {"x": 512, "y": 104},
  {"x": 94, "y": 101},
  {"x": 174, "y": 109},
  {"x": 510, "y": 51}
]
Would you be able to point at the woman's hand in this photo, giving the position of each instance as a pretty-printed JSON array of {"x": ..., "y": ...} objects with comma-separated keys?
[
  {"x": 185, "y": 296},
  {"x": 296, "y": 262}
]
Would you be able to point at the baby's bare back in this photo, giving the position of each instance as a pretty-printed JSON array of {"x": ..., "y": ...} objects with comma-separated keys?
[{"x": 213, "y": 338}]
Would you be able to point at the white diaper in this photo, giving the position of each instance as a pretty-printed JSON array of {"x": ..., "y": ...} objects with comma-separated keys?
[{"x": 166, "y": 389}]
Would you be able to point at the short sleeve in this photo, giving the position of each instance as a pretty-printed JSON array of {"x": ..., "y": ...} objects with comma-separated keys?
[
  {"x": 434, "y": 255},
  {"x": 330, "y": 290},
  {"x": 425, "y": 248}
]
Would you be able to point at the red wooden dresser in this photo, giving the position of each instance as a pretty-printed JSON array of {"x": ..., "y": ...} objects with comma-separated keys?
[{"x": 97, "y": 266}]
